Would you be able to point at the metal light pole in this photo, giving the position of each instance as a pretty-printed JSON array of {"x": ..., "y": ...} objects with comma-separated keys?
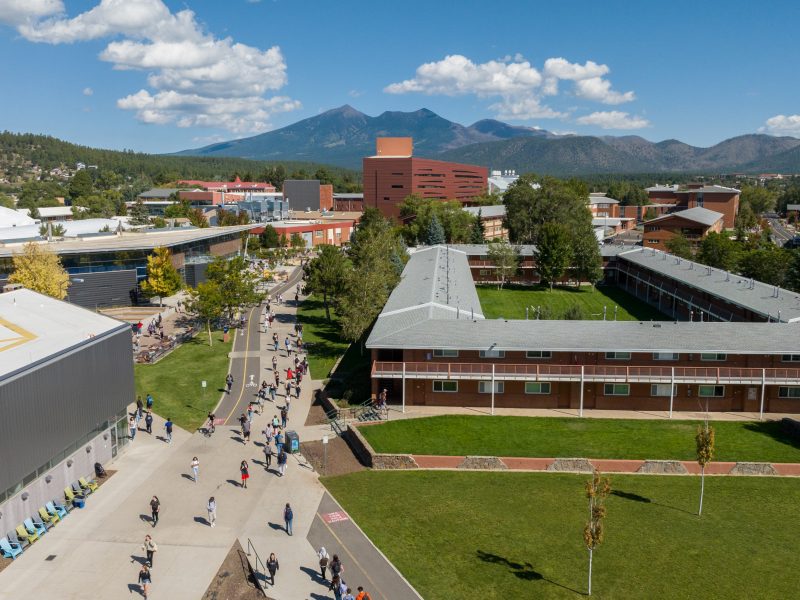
[{"x": 324, "y": 454}]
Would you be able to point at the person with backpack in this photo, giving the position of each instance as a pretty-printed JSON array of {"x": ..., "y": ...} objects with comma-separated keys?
[
  {"x": 336, "y": 571},
  {"x": 139, "y": 408},
  {"x": 324, "y": 559},
  {"x": 288, "y": 517},
  {"x": 150, "y": 548},
  {"x": 282, "y": 458},
  {"x": 284, "y": 416},
  {"x": 155, "y": 507},
  {"x": 244, "y": 470},
  {"x": 362, "y": 595},
  {"x": 267, "y": 456},
  {"x": 228, "y": 383},
  {"x": 168, "y": 429},
  {"x": 149, "y": 402},
  {"x": 272, "y": 567},
  {"x": 148, "y": 422}
]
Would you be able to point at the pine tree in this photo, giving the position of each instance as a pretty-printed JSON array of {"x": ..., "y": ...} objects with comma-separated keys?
[
  {"x": 435, "y": 233},
  {"x": 138, "y": 214},
  {"x": 477, "y": 232}
]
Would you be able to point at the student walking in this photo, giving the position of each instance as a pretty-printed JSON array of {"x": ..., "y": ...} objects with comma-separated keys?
[
  {"x": 282, "y": 462},
  {"x": 284, "y": 416},
  {"x": 288, "y": 517},
  {"x": 272, "y": 567},
  {"x": 273, "y": 390},
  {"x": 245, "y": 472},
  {"x": 363, "y": 595},
  {"x": 324, "y": 559},
  {"x": 267, "y": 456},
  {"x": 336, "y": 570},
  {"x": 348, "y": 595},
  {"x": 132, "y": 427},
  {"x": 288, "y": 345},
  {"x": 195, "y": 465},
  {"x": 150, "y": 549},
  {"x": 155, "y": 507},
  {"x": 336, "y": 586},
  {"x": 168, "y": 429},
  {"x": 228, "y": 383},
  {"x": 148, "y": 422},
  {"x": 144, "y": 580},
  {"x": 211, "y": 507},
  {"x": 139, "y": 408},
  {"x": 274, "y": 363},
  {"x": 246, "y": 431},
  {"x": 149, "y": 402}
]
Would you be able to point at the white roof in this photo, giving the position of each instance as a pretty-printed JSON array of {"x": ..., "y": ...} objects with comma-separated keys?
[
  {"x": 72, "y": 229},
  {"x": 600, "y": 198},
  {"x": 487, "y": 212},
  {"x": 13, "y": 218},
  {"x": 35, "y": 327},
  {"x": 698, "y": 214},
  {"x": 52, "y": 211}
]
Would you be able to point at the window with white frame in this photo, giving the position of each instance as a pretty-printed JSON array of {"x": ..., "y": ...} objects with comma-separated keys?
[
  {"x": 485, "y": 387},
  {"x": 666, "y": 356},
  {"x": 662, "y": 389},
  {"x": 711, "y": 391},
  {"x": 713, "y": 356},
  {"x": 538, "y": 354},
  {"x": 537, "y": 387},
  {"x": 786, "y": 391},
  {"x": 616, "y": 389},
  {"x": 492, "y": 353},
  {"x": 618, "y": 355},
  {"x": 790, "y": 358},
  {"x": 445, "y": 385},
  {"x": 442, "y": 353}
]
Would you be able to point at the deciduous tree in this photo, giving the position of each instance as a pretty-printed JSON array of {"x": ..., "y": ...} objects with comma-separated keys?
[
  {"x": 505, "y": 259},
  {"x": 163, "y": 278},
  {"x": 269, "y": 237},
  {"x": 237, "y": 284},
  {"x": 719, "y": 251},
  {"x": 679, "y": 246},
  {"x": 704, "y": 441},
  {"x": 207, "y": 303},
  {"x": 328, "y": 275},
  {"x": 597, "y": 490},
  {"x": 40, "y": 270},
  {"x": 553, "y": 252}
]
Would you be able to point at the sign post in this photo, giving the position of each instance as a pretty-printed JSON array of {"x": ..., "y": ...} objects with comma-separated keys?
[
  {"x": 324, "y": 454},
  {"x": 203, "y": 385}
]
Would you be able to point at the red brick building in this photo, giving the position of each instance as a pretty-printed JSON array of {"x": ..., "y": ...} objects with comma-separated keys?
[
  {"x": 389, "y": 178},
  {"x": 694, "y": 224},
  {"x": 721, "y": 199}
]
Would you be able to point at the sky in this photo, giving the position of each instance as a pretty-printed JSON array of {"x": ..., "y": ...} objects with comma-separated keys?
[{"x": 163, "y": 75}]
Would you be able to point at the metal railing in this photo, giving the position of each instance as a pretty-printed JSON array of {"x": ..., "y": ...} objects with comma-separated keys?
[
  {"x": 258, "y": 566},
  {"x": 599, "y": 373}
]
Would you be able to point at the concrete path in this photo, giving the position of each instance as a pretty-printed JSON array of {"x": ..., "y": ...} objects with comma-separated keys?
[{"x": 96, "y": 552}]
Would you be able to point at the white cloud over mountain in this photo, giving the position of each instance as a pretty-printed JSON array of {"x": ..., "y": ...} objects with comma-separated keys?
[
  {"x": 195, "y": 78},
  {"x": 782, "y": 125},
  {"x": 520, "y": 87},
  {"x": 613, "y": 119}
]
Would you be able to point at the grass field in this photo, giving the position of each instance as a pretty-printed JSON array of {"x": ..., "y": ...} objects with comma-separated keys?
[
  {"x": 174, "y": 381},
  {"x": 510, "y": 303},
  {"x": 519, "y": 535},
  {"x": 462, "y": 435}
]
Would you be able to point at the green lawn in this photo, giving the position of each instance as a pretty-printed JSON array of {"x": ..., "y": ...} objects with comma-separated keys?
[
  {"x": 462, "y": 435},
  {"x": 520, "y": 535},
  {"x": 324, "y": 337},
  {"x": 510, "y": 303},
  {"x": 174, "y": 381}
]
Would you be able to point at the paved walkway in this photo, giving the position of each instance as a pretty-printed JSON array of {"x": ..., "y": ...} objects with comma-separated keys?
[{"x": 96, "y": 552}]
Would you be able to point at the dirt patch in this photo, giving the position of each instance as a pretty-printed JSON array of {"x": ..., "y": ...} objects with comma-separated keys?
[
  {"x": 4, "y": 562},
  {"x": 100, "y": 481},
  {"x": 234, "y": 580},
  {"x": 316, "y": 415},
  {"x": 340, "y": 459}
]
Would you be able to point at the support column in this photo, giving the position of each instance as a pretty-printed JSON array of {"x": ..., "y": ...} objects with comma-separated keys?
[
  {"x": 403, "y": 393},
  {"x": 492, "y": 388},
  {"x": 580, "y": 407},
  {"x": 671, "y": 390},
  {"x": 763, "y": 389}
]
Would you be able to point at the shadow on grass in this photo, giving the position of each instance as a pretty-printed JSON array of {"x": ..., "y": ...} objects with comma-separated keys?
[
  {"x": 775, "y": 430},
  {"x": 523, "y": 571},
  {"x": 630, "y": 496}
]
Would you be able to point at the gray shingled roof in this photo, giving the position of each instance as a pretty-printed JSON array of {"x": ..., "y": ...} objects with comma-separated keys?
[
  {"x": 710, "y": 189},
  {"x": 763, "y": 299},
  {"x": 494, "y": 211},
  {"x": 601, "y": 199},
  {"x": 160, "y": 193},
  {"x": 483, "y": 249},
  {"x": 697, "y": 214}
]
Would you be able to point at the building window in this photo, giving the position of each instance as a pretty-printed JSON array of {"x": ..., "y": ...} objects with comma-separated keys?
[
  {"x": 485, "y": 387},
  {"x": 441, "y": 353},
  {"x": 318, "y": 233},
  {"x": 537, "y": 387},
  {"x": 398, "y": 187},
  {"x": 445, "y": 385},
  {"x": 538, "y": 354},
  {"x": 700, "y": 199},
  {"x": 653, "y": 241},
  {"x": 662, "y": 389},
  {"x": 618, "y": 355},
  {"x": 484, "y": 272},
  {"x": 492, "y": 353},
  {"x": 788, "y": 392},
  {"x": 616, "y": 389},
  {"x": 790, "y": 358},
  {"x": 666, "y": 356},
  {"x": 713, "y": 356},
  {"x": 711, "y": 391}
]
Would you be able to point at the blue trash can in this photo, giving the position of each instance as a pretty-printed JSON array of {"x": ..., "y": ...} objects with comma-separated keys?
[
  {"x": 292, "y": 442},
  {"x": 79, "y": 502}
]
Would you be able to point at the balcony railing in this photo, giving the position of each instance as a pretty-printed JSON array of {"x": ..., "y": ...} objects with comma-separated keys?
[{"x": 597, "y": 373}]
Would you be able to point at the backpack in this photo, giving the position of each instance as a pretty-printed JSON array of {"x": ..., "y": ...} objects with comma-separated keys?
[{"x": 288, "y": 514}]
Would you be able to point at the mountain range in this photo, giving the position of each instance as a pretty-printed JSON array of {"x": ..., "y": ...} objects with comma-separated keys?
[{"x": 344, "y": 135}]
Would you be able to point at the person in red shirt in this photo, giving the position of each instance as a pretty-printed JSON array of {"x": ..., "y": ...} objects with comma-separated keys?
[
  {"x": 362, "y": 595},
  {"x": 289, "y": 373}
]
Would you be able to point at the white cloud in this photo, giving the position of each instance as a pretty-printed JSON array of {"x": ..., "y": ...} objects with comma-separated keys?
[
  {"x": 519, "y": 85},
  {"x": 613, "y": 119},
  {"x": 354, "y": 93},
  {"x": 782, "y": 125},
  {"x": 196, "y": 78},
  {"x": 18, "y": 12},
  {"x": 87, "y": 91}
]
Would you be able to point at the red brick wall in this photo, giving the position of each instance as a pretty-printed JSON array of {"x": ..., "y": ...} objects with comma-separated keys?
[{"x": 326, "y": 197}]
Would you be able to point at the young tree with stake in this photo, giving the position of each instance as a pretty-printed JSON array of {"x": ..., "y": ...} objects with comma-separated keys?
[
  {"x": 705, "y": 453},
  {"x": 597, "y": 489}
]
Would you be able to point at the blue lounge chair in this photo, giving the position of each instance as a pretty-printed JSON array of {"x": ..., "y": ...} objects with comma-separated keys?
[
  {"x": 13, "y": 537},
  {"x": 42, "y": 518},
  {"x": 9, "y": 548},
  {"x": 32, "y": 527},
  {"x": 55, "y": 509}
]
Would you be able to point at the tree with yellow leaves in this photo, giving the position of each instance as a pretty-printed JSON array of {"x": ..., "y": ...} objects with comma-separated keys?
[
  {"x": 40, "y": 270},
  {"x": 163, "y": 278}
]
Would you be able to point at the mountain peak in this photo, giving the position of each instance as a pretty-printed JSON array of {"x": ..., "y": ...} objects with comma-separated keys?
[{"x": 345, "y": 111}]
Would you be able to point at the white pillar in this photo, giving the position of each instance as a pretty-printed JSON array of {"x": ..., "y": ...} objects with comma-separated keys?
[
  {"x": 492, "y": 388},
  {"x": 580, "y": 408},
  {"x": 671, "y": 391},
  {"x": 403, "y": 393},
  {"x": 763, "y": 389}
]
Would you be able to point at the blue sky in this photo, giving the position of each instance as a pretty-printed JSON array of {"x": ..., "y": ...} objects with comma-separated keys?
[{"x": 160, "y": 76}]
